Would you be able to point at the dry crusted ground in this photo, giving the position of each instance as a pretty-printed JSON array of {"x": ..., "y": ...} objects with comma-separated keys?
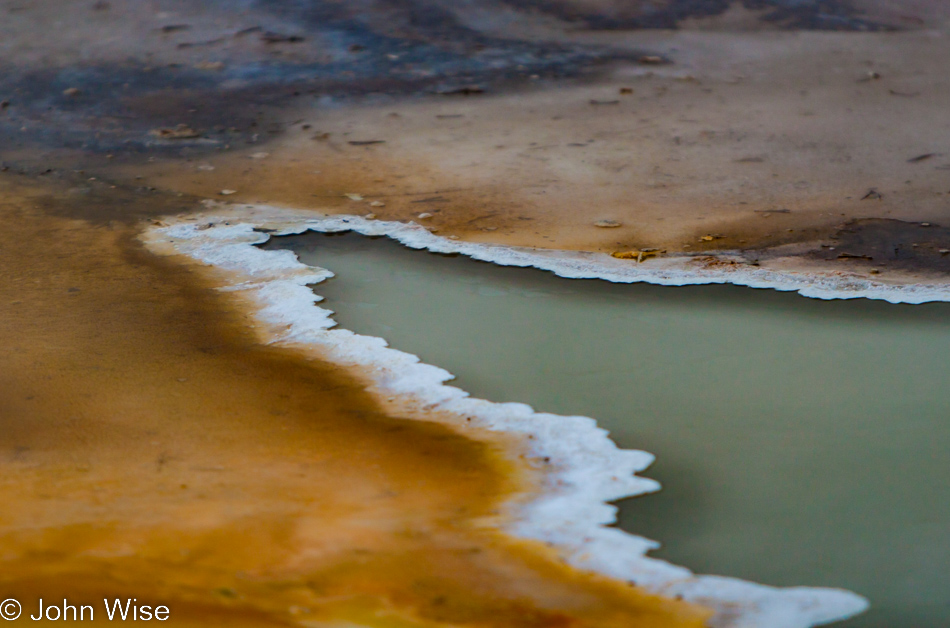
[
  {"x": 150, "y": 446},
  {"x": 766, "y": 143}
]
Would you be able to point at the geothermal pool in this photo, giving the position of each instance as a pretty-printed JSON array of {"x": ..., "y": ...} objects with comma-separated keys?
[{"x": 799, "y": 442}]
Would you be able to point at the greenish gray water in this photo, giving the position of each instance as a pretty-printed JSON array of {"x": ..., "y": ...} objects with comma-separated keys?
[{"x": 799, "y": 442}]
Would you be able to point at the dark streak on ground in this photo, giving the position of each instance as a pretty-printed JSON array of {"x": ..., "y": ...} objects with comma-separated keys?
[
  {"x": 99, "y": 202},
  {"x": 830, "y": 15},
  {"x": 385, "y": 48},
  {"x": 890, "y": 244},
  {"x": 836, "y": 15},
  {"x": 366, "y": 48}
]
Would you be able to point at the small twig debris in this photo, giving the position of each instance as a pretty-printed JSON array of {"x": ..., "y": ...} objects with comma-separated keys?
[
  {"x": 924, "y": 157},
  {"x": 467, "y": 90},
  {"x": 638, "y": 254},
  {"x": 269, "y": 37},
  {"x": 180, "y": 132}
]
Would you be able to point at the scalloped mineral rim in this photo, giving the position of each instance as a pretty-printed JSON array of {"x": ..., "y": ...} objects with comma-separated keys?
[{"x": 587, "y": 469}]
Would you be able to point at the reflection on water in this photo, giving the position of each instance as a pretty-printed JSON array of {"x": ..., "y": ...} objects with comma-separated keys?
[{"x": 799, "y": 442}]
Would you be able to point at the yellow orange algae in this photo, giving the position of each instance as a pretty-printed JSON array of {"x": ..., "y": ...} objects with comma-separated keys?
[{"x": 151, "y": 447}]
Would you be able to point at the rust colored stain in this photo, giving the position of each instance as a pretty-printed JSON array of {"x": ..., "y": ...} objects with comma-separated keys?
[{"x": 153, "y": 448}]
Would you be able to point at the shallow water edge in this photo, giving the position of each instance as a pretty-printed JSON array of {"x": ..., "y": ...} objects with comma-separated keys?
[
  {"x": 771, "y": 416},
  {"x": 668, "y": 271},
  {"x": 584, "y": 468}
]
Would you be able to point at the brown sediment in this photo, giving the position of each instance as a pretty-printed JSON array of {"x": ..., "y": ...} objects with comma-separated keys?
[
  {"x": 758, "y": 141},
  {"x": 151, "y": 447},
  {"x": 746, "y": 119}
]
